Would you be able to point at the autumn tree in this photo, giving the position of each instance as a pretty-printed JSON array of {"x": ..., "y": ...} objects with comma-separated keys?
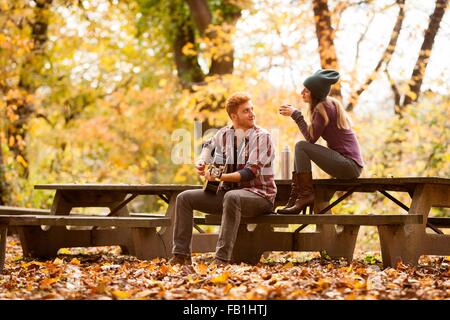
[
  {"x": 199, "y": 34},
  {"x": 326, "y": 35},
  {"x": 398, "y": 134},
  {"x": 418, "y": 73},
  {"x": 21, "y": 104},
  {"x": 15, "y": 48}
]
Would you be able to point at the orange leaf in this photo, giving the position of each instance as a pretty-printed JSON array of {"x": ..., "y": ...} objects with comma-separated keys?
[
  {"x": 287, "y": 266},
  {"x": 359, "y": 284},
  {"x": 47, "y": 282},
  {"x": 164, "y": 269},
  {"x": 227, "y": 288},
  {"x": 202, "y": 268},
  {"x": 221, "y": 279},
  {"x": 100, "y": 288}
]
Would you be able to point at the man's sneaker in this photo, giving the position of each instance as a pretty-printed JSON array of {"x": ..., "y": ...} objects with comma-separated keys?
[{"x": 180, "y": 259}]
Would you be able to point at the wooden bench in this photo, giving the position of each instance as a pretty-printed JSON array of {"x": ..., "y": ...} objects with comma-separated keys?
[
  {"x": 403, "y": 237},
  {"x": 364, "y": 220},
  {"x": 44, "y": 242},
  {"x": 256, "y": 234},
  {"x": 142, "y": 229}
]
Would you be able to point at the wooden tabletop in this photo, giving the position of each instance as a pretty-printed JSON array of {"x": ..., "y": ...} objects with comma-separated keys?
[
  {"x": 118, "y": 187},
  {"x": 404, "y": 182},
  {"x": 380, "y": 181}
]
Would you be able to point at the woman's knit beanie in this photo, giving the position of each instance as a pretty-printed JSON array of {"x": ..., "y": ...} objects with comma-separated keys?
[{"x": 320, "y": 82}]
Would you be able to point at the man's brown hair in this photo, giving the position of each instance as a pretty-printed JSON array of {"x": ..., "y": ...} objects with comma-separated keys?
[{"x": 235, "y": 101}]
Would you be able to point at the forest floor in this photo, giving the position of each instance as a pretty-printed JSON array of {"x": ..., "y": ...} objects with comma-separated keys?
[{"x": 104, "y": 273}]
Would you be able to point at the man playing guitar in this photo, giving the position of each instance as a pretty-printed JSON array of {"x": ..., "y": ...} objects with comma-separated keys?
[{"x": 247, "y": 185}]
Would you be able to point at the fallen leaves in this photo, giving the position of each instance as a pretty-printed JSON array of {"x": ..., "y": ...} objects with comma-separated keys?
[
  {"x": 105, "y": 274},
  {"x": 221, "y": 279},
  {"x": 47, "y": 283},
  {"x": 121, "y": 294},
  {"x": 202, "y": 268}
]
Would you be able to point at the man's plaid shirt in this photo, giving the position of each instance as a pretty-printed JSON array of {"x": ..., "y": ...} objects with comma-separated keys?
[{"x": 256, "y": 152}]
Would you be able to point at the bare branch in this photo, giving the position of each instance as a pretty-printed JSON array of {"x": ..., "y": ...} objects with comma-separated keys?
[
  {"x": 395, "y": 91},
  {"x": 385, "y": 58},
  {"x": 361, "y": 38},
  {"x": 43, "y": 116},
  {"x": 340, "y": 7}
]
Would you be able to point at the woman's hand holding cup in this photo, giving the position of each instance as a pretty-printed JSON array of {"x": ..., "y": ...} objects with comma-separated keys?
[{"x": 286, "y": 110}]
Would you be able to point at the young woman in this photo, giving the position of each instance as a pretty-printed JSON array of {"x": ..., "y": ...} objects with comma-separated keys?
[{"x": 342, "y": 159}]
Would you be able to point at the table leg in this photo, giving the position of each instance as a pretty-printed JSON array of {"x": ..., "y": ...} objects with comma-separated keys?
[
  {"x": 3, "y": 233},
  {"x": 337, "y": 241},
  {"x": 407, "y": 243},
  {"x": 165, "y": 234},
  {"x": 322, "y": 200},
  {"x": 35, "y": 240},
  {"x": 252, "y": 243},
  {"x": 146, "y": 243},
  {"x": 435, "y": 196},
  {"x": 122, "y": 212},
  {"x": 45, "y": 242}
]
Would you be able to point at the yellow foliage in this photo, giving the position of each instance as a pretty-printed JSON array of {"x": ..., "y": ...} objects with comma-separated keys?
[
  {"x": 221, "y": 279},
  {"x": 64, "y": 251},
  {"x": 22, "y": 161},
  {"x": 121, "y": 294},
  {"x": 189, "y": 50}
]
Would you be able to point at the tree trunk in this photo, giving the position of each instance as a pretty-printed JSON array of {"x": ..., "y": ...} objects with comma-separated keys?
[
  {"x": 420, "y": 67},
  {"x": 222, "y": 63},
  {"x": 325, "y": 36},
  {"x": 188, "y": 68},
  {"x": 200, "y": 13}
]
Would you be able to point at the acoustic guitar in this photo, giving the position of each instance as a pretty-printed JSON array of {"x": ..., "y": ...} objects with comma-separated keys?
[{"x": 215, "y": 170}]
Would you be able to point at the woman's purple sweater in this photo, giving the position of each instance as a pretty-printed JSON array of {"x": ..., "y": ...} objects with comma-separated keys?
[{"x": 341, "y": 140}]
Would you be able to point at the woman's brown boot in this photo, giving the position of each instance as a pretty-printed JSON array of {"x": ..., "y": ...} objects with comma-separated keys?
[
  {"x": 293, "y": 196},
  {"x": 304, "y": 183}
]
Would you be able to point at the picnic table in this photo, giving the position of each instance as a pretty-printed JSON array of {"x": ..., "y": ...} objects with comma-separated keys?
[
  {"x": 403, "y": 236},
  {"x": 145, "y": 235}
]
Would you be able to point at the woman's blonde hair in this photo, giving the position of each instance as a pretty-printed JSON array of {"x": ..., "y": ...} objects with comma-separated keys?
[{"x": 343, "y": 119}]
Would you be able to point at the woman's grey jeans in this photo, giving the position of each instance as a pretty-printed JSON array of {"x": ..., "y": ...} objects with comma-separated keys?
[
  {"x": 330, "y": 161},
  {"x": 231, "y": 205}
]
